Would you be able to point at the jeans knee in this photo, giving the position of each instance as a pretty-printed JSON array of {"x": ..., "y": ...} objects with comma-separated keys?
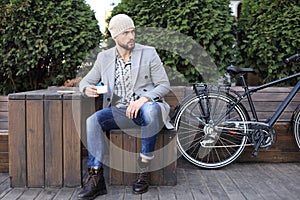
[{"x": 151, "y": 109}]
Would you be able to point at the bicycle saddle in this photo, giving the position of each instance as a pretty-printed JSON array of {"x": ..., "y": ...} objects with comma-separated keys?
[{"x": 236, "y": 70}]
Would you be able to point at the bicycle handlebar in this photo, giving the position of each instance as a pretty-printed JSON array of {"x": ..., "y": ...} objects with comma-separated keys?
[{"x": 291, "y": 58}]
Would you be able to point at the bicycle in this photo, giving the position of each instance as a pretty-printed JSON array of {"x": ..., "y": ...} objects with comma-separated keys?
[{"x": 213, "y": 126}]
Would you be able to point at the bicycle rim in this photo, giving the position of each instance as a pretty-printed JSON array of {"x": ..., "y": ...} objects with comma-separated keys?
[
  {"x": 297, "y": 128},
  {"x": 191, "y": 125}
]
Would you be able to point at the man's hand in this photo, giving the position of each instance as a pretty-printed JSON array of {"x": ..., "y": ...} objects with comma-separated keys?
[
  {"x": 134, "y": 107},
  {"x": 91, "y": 91}
]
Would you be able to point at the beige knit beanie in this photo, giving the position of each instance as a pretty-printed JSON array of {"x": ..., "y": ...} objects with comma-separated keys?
[{"x": 119, "y": 23}]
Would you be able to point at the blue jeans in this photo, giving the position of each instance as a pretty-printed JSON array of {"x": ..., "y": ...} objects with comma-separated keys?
[{"x": 149, "y": 120}]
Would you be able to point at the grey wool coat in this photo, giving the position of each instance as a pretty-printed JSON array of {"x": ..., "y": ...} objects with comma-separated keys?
[{"x": 148, "y": 76}]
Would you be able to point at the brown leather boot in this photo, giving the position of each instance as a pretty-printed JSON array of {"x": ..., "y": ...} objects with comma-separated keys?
[
  {"x": 94, "y": 185},
  {"x": 141, "y": 185}
]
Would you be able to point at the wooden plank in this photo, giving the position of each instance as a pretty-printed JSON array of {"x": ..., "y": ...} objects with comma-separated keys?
[
  {"x": 3, "y": 106},
  {"x": 251, "y": 174},
  {"x": 3, "y": 136},
  {"x": 271, "y": 93},
  {"x": 130, "y": 155},
  {"x": 116, "y": 158},
  {"x": 4, "y": 157},
  {"x": 271, "y": 106},
  {"x": 53, "y": 143},
  {"x": 4, "y": 167},
  {"x": 277, "y": 97},
  {"x": 35, "y": 143},
  {"x": 15, "y": 193},
  {"x": 3, "y": 116},
  {"x": 47, "y": 194},
  {"x": 157, "y": 164},
  {"x": 170, "y": 157},
  {"x": 65, "y": 193},
  {"x": 115, "y": 192},
  {"x": 285, "y": 116},
  {"x": 267, "y": 90},
  {"x": 4, "y": 186},
  {"x": 3, "y": 98},
  {"x": 242, "y": 185},
  {"x": 71, "y": 142},
  {"x": 88, "y": 108},
  {"x": 3, "y": 146},
  {"x": 228, "y": 185},
  {"x": 3, "y": 125},
  {"x": 215, "y": 189},
  {"x": 17, "y": 138},
  {"x": 30, "y": 193}
]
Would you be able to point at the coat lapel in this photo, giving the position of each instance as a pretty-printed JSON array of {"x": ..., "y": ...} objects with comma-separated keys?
[
  {"x": 110, "y": 69},
  {"x": 136, "y": 57}
]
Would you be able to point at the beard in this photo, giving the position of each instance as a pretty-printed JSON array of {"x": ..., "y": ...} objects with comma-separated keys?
[{"x": 129, "y": 46}]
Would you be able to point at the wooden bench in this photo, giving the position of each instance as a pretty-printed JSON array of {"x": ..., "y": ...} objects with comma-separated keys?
[
  {"x": 4, "y": 155},
  {"x": 47, "y": 133},
  {"x": 45, "y": 129}
]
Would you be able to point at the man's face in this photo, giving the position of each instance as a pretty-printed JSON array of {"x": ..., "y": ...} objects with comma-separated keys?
[{"x": 126, "y": 39}]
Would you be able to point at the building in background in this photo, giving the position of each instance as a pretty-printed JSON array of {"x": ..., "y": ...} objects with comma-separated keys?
[{"x": 235, "y": 8}]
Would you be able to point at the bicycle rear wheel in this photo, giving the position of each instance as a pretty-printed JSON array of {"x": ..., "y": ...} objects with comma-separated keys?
[
  {"x": 194, "y": 126},
  {"x": 297, "y": 127}
]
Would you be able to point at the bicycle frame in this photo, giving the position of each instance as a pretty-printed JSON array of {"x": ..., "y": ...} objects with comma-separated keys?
[{"x": 283, "y": 105}]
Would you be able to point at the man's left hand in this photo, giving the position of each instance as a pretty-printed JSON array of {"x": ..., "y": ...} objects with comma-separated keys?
[{"x": 134, "y": 107}]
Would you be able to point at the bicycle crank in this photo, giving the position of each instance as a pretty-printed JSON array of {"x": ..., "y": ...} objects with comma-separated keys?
[
  {"x": 268, "y": 137},
  {"x": 263, "y": 138}
]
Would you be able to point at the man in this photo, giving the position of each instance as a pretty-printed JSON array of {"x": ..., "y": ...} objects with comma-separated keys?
[{"x": 137, "y": 83}]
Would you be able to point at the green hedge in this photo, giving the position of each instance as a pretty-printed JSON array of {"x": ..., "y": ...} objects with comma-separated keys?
[
  {"x": 43, "y": 42},
  {"x": 269, "y": 31}
]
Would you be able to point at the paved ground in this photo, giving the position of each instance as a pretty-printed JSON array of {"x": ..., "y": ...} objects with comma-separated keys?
[{"x": 238, "y": 181}]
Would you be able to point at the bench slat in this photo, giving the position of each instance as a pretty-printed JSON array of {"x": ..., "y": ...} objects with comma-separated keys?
[
  {"x": 3, "y": 106},
  {"x": 35, "y": 143},
  {"x": 53, "y": 143},
  {"x": 17, "y": 155},
  {"x": 71, "y": 142}
]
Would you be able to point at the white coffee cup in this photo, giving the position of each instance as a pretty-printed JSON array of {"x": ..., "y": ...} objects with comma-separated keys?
[{"x": 101, "y": 89}]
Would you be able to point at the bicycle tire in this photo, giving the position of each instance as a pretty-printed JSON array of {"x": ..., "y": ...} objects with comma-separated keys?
[
  {"x": 297, "y": 127},
  {"x": 190, "y": 127}
]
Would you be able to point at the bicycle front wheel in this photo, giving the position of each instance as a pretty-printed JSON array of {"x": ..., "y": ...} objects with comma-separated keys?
[
  {"x": 206, "y": 115},
  {"x": 297, "y": 127}
]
